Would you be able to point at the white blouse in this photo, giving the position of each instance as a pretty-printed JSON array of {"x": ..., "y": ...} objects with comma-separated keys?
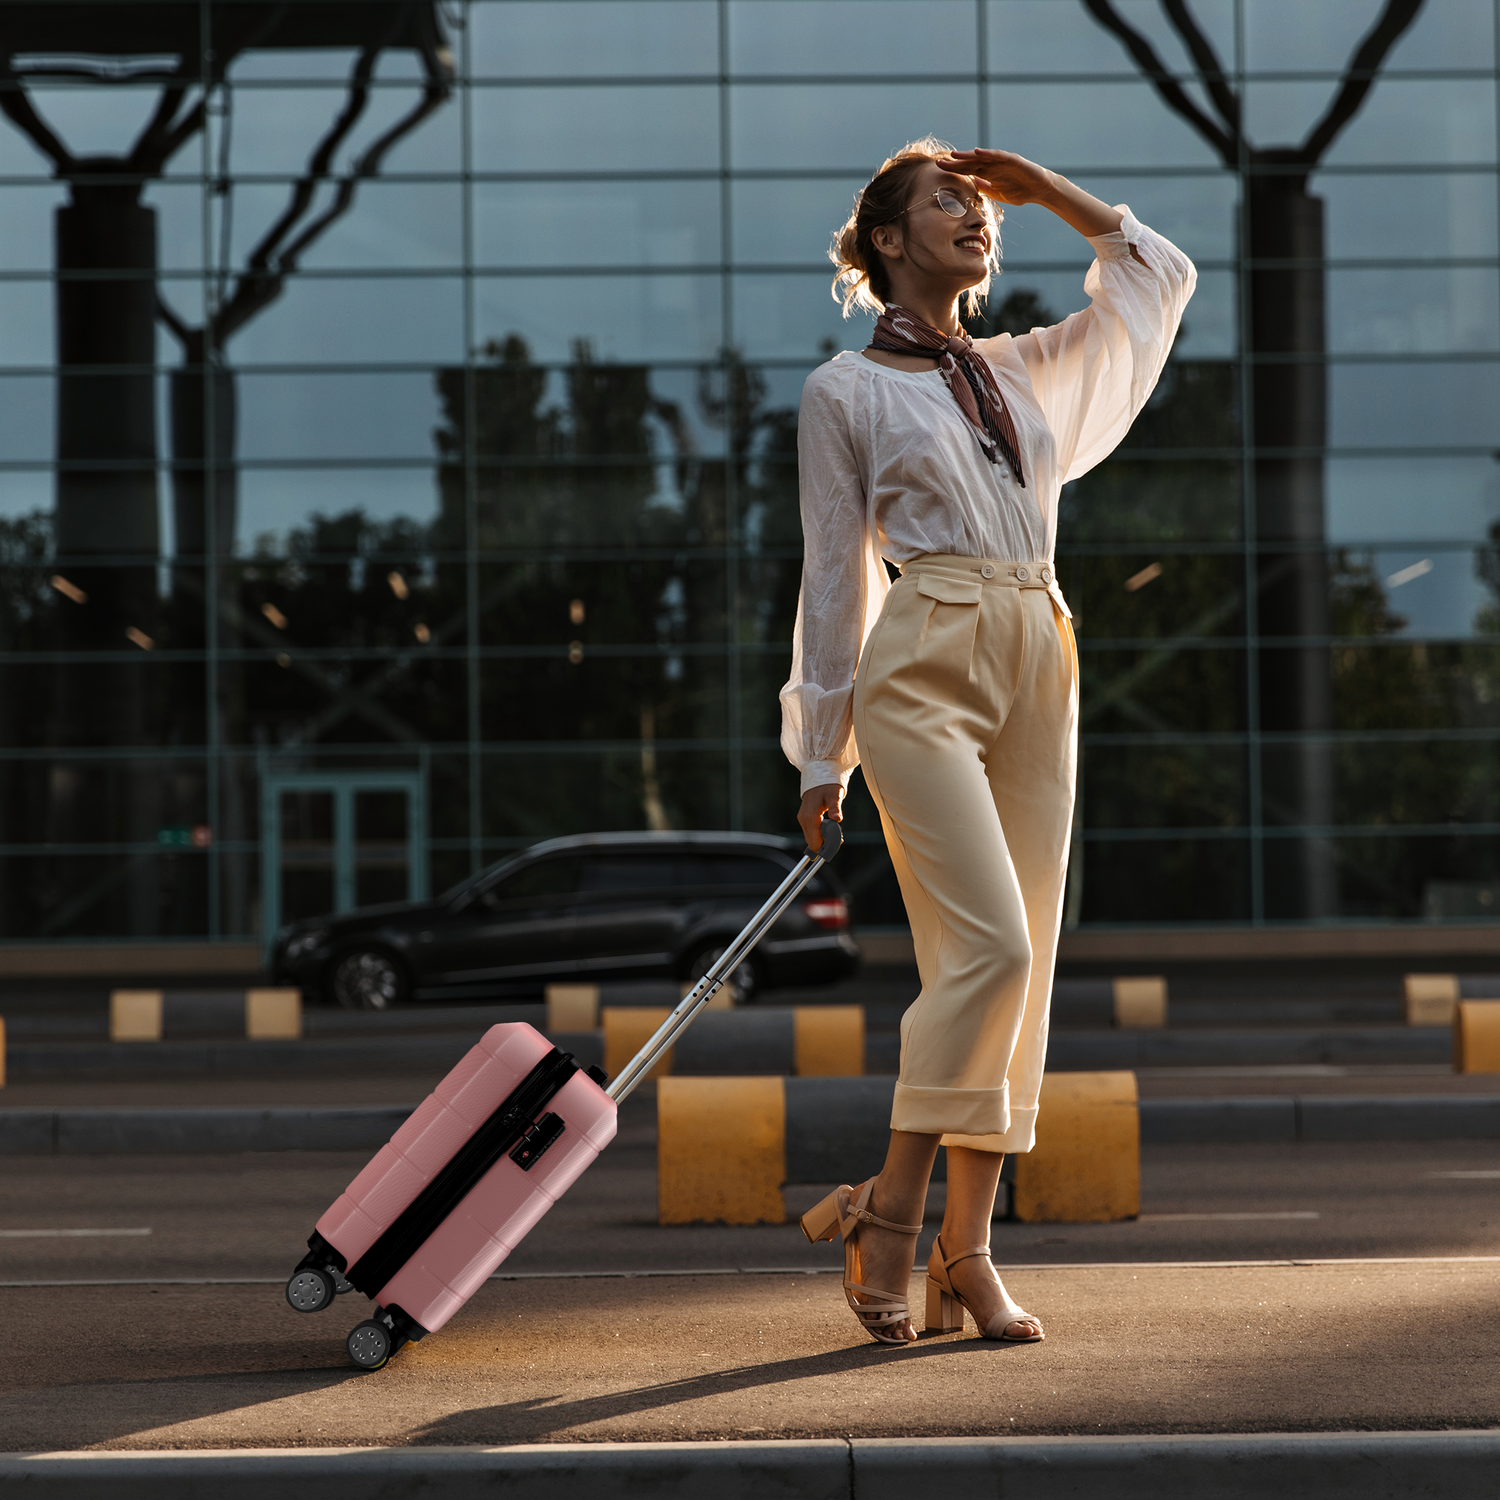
[{"x": 889, "y": 467}]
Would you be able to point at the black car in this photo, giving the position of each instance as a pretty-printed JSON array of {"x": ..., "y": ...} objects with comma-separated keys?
[{"x": 601, "y": 906}]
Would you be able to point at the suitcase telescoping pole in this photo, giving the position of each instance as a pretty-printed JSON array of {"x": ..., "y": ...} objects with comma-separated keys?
[{"x": 727, "y": 962}]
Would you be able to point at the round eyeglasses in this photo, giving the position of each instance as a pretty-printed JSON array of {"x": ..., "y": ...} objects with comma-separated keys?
[{"x": 955, "y": 205}]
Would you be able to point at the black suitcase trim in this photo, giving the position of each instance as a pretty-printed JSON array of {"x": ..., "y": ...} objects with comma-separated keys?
[{"x": 416, "y": 1223}]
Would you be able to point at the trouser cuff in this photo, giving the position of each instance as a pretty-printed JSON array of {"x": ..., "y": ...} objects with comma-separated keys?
[
  {"x": 1019, "y": 1137},
  {"x": 970, "y": 1112}
]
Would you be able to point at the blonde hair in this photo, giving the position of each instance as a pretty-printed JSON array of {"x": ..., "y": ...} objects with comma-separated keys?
[{"x": 862, "y": 279}]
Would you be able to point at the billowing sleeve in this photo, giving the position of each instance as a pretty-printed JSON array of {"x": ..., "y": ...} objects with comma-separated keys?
[
  {"x": 1093, "y": 372},
  {"x": 844, "y": 584}
]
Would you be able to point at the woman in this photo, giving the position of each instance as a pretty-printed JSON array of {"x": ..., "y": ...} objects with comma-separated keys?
[{"x": 946, "y": 456}]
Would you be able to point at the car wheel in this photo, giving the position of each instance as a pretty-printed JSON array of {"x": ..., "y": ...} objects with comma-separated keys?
[
  {"x": 368, "y": 979},
  {"x": 745, "y": 979}
]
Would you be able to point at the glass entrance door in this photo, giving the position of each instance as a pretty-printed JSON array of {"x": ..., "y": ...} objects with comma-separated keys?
[{"x": 334, "y": 841}]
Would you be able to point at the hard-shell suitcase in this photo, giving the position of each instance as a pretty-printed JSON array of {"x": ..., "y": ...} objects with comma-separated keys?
[{"x": 485, "y": 1155}]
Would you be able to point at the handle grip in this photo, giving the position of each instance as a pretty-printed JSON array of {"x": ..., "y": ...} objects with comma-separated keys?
[{"x": 833, "y": 840}]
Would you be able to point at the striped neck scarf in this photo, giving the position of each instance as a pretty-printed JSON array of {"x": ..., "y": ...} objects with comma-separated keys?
[{"x": 965, "y": 373}]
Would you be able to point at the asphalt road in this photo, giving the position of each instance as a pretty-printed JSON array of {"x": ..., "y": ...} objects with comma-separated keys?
[{"x": 1404, "y": 1334}]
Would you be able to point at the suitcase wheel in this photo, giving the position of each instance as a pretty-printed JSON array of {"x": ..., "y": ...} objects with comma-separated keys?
[
  {"x": 311, "y": 1289},
  {"x": 370, "y": 1344}
]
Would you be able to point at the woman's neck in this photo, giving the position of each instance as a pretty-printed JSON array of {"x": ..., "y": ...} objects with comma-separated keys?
[{"x": 938, "y": 308}]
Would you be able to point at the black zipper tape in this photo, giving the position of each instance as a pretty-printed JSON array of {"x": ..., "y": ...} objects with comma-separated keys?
[{"x": 416, "y": 1223}]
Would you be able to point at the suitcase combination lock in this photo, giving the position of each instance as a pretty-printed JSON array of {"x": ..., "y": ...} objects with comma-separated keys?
[{"x": 529, "y": 1149}]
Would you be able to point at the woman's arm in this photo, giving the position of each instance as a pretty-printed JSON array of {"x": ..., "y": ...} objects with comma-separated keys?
[{"x": 1012, "y": 179}]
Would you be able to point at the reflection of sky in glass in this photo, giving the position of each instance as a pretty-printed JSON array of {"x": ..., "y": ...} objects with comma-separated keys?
[
  {"x": 598, "y": 223},
  {"x": 569, "y": 38},
  {"x": 850, "y": 37}
]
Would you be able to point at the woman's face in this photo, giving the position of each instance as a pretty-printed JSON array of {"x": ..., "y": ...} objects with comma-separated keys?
[{"x": 935, "y": 243}]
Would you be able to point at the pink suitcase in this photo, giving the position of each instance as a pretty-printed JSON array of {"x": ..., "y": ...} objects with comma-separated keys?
[{"x": 488, "y": 1152}]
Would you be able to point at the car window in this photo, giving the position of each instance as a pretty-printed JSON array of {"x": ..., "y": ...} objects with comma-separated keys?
[
  {"x": 547, "y": 877},
  {"x": 634, "y": 872},
  {"x": 739, "y": 870}
]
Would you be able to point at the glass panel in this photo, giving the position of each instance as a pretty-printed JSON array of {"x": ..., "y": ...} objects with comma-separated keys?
[
  {"x": 785, "y": 126},
  {"x": 1197, "y": 213},
  {"x": 846, "y": 36},
  {"x": 794, "y": 316},
  {"x": 558, "y": 224},
  {"x": 596, "y": 129},
  {"x": 1084, "y": 126},
  {"x": 1164, "y": 786},
  {"x": 1287, "y": 34},
  {"x": 349, "y": 417},
  {"x": 617, "y": 317},
  {"x": 324, "y": 320},
  {"x": 387, "y": 225},
  {"x": 382, "y": 864},
  {"x": 27, "y": 241},
  {"x": 1168, "y": 881},
  {"x": 1423, "y": 214},
  {"x": 786, "y": 220},
  {"x": 1377, "y": 499},
  {"x": 1424, "y": 686},
  {"x": 29, "y": 317},
  {"x": 567, "y": 38},
  {"x": 306, "y": 853},
  {"x": 532, "y": 796},
  {"x": 1041, "y": 36},
  {"x": 1401, "y": 120},
  {"x": 1165, "y": 688},
  {"x": 1429, "y": 311},
  {"x": 278, "y": 131},
  {"x": 1426, "y": 593},
  {"x": 380, "y": 506},
  {"x": 1140, "y": 597},
  {"x": 27, "y": 409},
  {"x": 1428, "y": 405}
]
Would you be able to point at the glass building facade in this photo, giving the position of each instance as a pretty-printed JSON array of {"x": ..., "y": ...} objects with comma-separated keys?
[{"x": 398, "y": 438}]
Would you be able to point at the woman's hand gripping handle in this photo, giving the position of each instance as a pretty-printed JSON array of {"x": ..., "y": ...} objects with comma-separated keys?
[{"x": 819, "y": 802}]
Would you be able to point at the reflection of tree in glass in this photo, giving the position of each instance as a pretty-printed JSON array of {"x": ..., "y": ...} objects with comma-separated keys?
[
  {"x": 106, "y": 513},
  {"x": 1282, "y": 232},
  {"x": 587, "y": 459}
]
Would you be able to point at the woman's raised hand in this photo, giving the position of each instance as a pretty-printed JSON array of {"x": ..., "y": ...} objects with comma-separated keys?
[
  {"x": 817, "y": 800},
  {"x": 1000, "y": 174}
]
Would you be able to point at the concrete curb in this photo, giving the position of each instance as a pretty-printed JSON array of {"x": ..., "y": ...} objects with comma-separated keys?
[
  {"x": 1332, "y": 1466},
  {"x": 835, "y": 1127},
  {"x": 706, "y": 1052}
]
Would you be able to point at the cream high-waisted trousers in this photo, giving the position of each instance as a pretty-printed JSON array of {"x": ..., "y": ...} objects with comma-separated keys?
[{"x": 966, "y": 717}]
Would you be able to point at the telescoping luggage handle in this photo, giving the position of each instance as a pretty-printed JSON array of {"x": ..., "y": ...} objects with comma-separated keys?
[{"x": 727, "y": 962}]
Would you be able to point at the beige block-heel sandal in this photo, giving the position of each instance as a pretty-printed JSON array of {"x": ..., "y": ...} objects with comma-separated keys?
[
  {"x": 880, "y": 1314},
  {"x": 946, "y": 1308}
]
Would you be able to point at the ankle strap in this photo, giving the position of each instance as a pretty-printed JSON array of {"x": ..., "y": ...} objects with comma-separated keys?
[{"x": 866, "y": 1217}]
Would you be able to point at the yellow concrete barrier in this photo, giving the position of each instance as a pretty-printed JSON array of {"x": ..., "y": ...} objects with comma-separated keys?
[
  {"x": 1140, "y": 1002},
  {"x": 1430, "y": 999},
  {"x": 1086, "y": 1165},
  {"x": 135, "y": 1016},
  {"x": 828, "y": 1041},
  {"x": 273, "y": 1013},
  {"x": 572, "y": 1007},
  {"x": 1476, "y": 1036},
  {"x": 627, "y": 1028},
  {"x": 720, "y": 1150}
]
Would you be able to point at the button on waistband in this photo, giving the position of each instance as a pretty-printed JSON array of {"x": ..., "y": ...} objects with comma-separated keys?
[
  {"x": 1046, "y": 575},
  {"x": 988, "y": 570},
  {"x": 1022, "y": 574}
]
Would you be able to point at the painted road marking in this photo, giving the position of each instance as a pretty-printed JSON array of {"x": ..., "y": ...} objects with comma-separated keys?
[
  {"x": 70, "y": 1234},
  {"x": 1184, "y": 1218}
]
